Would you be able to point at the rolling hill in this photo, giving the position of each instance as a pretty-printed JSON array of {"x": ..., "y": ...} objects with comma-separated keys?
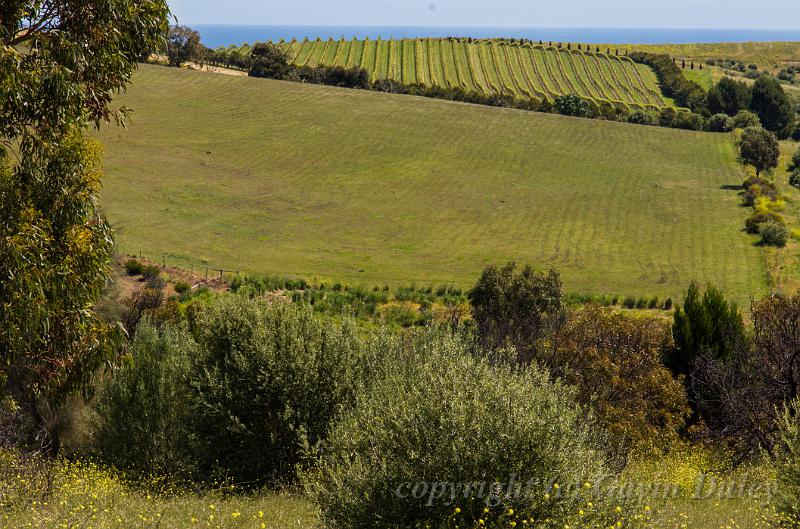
[
  {"x": 491, "y": 66},
  {"x": 314, "y": 181}
]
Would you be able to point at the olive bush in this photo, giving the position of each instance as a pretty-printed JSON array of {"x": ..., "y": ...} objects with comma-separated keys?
[
  {"x": 265, "y": 385},
  {"x": 144, "y": 405},
  {"x": 443, "y": 438}
]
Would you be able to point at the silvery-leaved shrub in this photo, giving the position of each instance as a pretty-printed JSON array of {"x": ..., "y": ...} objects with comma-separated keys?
[
  {"x": 446, "y": 439},
  {"x": 143, "y": 408},
  {"x": 267, "y": 381}
]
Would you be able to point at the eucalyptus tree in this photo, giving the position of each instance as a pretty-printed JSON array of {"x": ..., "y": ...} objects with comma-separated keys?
[{"x": 61, "y": 63}]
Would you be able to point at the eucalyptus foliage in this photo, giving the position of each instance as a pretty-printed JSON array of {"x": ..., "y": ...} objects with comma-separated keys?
[{"x": 61, "y": 63}]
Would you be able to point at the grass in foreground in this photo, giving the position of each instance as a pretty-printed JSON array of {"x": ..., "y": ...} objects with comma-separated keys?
[
  {"x": 313, "y": 181},
  {"x": 80, "y": 494}
]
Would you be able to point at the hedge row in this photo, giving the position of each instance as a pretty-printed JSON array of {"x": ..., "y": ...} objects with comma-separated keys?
[{"x": 687, "y": 93}]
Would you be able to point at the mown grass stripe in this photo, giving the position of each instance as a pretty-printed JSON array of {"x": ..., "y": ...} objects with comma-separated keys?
[{"x": 253, "y": 188}]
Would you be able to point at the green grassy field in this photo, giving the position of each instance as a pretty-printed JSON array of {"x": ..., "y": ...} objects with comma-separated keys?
[
  {"x": 314, "y": 181},
  {"x": 765, "y": 54},
  {"x": 702, "y": 77},
  {"x": 490, "y": 66}
]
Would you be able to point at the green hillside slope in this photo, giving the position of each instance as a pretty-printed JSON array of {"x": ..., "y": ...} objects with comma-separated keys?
[{"x": 270, "y": 176}]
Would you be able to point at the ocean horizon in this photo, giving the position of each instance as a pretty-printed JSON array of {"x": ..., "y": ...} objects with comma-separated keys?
[{"x": 215, "y": 35}]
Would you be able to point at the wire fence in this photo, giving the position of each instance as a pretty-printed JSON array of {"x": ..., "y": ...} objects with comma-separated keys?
[
  {"x": 207, "y": 270},
  {"x": 202, "y": 269}
]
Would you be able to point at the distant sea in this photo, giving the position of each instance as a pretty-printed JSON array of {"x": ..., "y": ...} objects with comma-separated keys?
[{"x": 221, "y": 35}]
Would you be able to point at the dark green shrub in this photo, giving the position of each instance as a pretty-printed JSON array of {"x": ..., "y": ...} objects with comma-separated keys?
[
  {"x": 689, "y": 121},
  {"x": 134, "y": 267},
  {"x": 686, "y": 93},
  {"x": 641, "y": 303},
  {"x": 729, "y": 97},
  {"x": 266, "y": 383},
  {"x": 182, "y": 287},
  {"x": 629, "y": 302},
  {"x": 150, "y": 272},
  {"x": 745, "y": 118},
  {"x": 440, "y": 416},
  {"x": 774, "y": 234},
  {"x": 269, "y": 60},
  {"x": 773, "y": 106},
  {"x": 704, "y": 324},
  {"x": 720, "y": 123},
  {"x": 794, "y": 178},
  {"x": 653, "y": 303},
  {"x": 668, "y": 304},
  {"x": 572, "y": 105},
  {"x": 754, "y": 221},
  {"x": 402, "y": 316},
  {"x": 760, "y": 148},
  {"x": 143, "y": 409},
  {"x": 667, "y": 117},
  {"x": 642, "y": 117},
  {"x": 518, "y": 308},
  {"x": 794, "y": 165}
]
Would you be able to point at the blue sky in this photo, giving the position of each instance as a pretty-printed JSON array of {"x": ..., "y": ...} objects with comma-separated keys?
[{"x": 765, "y": 14}]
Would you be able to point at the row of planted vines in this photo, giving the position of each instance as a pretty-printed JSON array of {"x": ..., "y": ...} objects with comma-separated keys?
[{"x": 525, "y": 70}]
